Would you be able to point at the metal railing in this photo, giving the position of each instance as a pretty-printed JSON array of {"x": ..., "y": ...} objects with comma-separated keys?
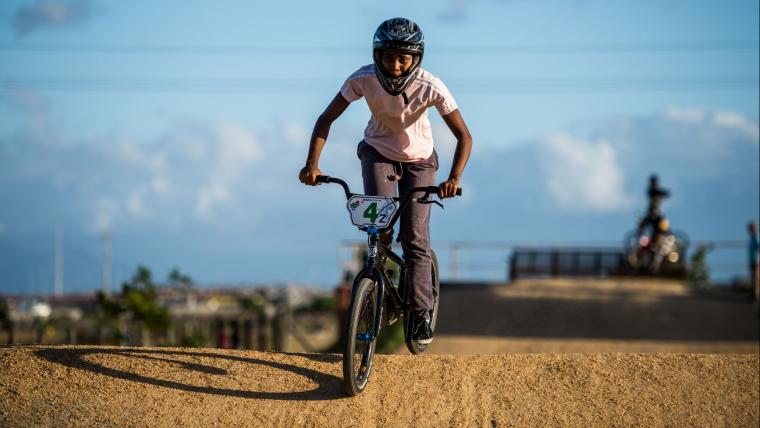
[{"x": 475, "y": 260}]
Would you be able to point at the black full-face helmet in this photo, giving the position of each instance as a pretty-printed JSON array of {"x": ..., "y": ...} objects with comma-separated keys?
[{"x": 403, "y": 35}]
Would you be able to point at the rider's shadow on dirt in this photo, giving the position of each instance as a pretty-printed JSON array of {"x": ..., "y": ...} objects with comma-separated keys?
[{"x": 328, "y": 386}]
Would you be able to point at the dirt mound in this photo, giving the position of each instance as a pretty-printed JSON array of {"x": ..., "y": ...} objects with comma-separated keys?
[
  {"x": 593, "y": 315},
  {"x": 98, "y": 386}
]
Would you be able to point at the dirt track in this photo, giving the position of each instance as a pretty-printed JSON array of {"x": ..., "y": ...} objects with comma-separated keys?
[
  {"x": 201, "y": 387},
  {"x": 97, "y": 386}
]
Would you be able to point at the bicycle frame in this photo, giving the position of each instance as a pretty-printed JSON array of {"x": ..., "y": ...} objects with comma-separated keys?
[
  {"x": 374, "y": 268},
  {"x": 373, "y": 284},
  {"x": 375, "y": 250}
]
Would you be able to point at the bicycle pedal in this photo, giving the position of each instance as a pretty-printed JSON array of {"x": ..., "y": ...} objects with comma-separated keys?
[{"x": 392, "y": 318}]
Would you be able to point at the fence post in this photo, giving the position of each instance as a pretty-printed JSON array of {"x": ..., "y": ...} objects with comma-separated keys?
[{"x": 554, "y": 264}]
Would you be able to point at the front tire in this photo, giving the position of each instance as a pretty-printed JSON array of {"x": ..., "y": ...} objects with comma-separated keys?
[{"x": 361, "y": 339}]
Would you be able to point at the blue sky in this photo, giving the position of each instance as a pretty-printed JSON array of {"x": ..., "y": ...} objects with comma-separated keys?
[{"x": 179, "y": 126}]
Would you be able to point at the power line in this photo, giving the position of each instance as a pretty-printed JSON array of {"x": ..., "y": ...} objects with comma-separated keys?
[
  {"x": 586, "y": 48},
  {"x": 550, "y": 48},
  {"x": 296, "y": 85}
]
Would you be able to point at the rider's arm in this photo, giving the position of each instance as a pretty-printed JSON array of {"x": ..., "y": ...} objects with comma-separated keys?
[
  {"x": 309, "y": 173},
  {"x": 462, "y": 153}
]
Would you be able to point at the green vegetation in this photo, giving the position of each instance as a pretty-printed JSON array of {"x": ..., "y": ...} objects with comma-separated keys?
[
  {"x": 253, "y": 304},
  {"x": 5, "y": 313},
  {"x": 195, "y": 340},
  {"x": 6, "y": 322},
  {"x": 138, "y": 302},
  {"x": 698, "y": 273},
  {"x": 391, "y": 338},
  {"x": 324, "y": 304},
  {"x": 179, "y": 279}
]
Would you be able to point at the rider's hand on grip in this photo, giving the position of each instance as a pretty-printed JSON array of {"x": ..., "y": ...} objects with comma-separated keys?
[
  {"x": 449, "y": 189},
  {"x": 309, "y": 175}
]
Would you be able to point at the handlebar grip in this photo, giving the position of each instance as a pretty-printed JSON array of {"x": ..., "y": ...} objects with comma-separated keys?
[
  {"x": 459, "y": 191},
  {"x": 323, "y": 179}
]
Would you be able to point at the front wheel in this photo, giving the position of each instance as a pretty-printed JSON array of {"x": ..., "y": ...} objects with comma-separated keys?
[
  {"x": 361, "y": 336},
  {"x": 418, "y": 348}
]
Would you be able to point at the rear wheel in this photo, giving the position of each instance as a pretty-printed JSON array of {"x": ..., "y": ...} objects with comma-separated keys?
[
  {"x": 419, "y": 348},
  {"x": 361, "y": 338}
]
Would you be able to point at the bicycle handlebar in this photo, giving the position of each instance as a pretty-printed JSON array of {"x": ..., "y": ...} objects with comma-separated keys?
[
  {"x": 427, "y": 189},
  {"x": 328, "y": 179},
  {"x": 431, "y": 189}
]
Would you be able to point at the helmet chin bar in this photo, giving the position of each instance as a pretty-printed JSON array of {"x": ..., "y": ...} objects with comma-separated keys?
[{"x": 395, "y": 85}]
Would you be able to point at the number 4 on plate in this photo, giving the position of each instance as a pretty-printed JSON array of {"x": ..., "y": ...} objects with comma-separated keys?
[{"x": 371, "y": 212}]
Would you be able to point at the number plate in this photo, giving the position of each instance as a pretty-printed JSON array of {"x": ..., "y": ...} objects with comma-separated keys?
[{"x": 371, "y": 210}]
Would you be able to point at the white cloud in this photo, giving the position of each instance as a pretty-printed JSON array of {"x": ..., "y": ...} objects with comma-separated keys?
[
  {"x": 187, "y": 173},
  {"x": 134, "y": 204},
  {"x": 195, "y": 167},
  {"x": 737, "y": 121},
  {"x": 296, "y": 134},
  {"x": 134, "y": 153},
  {"x": 235, "y": 149},
  {"x": 690, "y": 115},
  {"x": 714, "y": 118},
  {"x": 189, "y": 139},
  {"x": 584, "y": 175},
  {"x": 50, "y": 13},
  {"x": 161, "y": 185},
  {"x": 209, "y": 196}
]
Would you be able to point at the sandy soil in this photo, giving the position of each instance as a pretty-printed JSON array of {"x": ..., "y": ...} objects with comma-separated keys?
[
  {"x": 91, "y": 386},
  {"x": 469, "y": 345},
  {"x": 623, "y": 353}
]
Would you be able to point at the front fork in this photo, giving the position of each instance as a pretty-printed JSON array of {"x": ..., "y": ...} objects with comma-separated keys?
[{"x": 370, "y": 270}]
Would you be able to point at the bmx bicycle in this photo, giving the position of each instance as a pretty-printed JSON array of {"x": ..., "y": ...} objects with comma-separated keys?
[
  {"x": 656, "y": 254},
  {"x": 373, "y": 289}
]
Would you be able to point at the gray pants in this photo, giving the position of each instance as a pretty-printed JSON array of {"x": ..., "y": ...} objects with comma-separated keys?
[{"x": 383, "y": 177}]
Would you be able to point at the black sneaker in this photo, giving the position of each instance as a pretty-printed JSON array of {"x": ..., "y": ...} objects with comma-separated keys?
[{"x": 421, "y": 332}]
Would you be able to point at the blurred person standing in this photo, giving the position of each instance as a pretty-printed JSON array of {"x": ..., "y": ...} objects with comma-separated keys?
[
  {"x": 654, "y": 214},
  {"x": 754, "y": 261}
]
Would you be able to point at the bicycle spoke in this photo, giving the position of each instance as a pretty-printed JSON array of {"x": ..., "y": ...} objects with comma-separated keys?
[{"x": 361, "y": 357}]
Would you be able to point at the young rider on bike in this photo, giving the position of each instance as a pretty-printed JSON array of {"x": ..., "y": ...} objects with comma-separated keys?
[
  {"x": 397, "y": 150},
  {"x": 654, "y": 219}
]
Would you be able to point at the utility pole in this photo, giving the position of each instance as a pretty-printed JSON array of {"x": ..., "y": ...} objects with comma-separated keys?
[
  {"x": 58, "y": 250},
  {"x": 105, "y": 271}
]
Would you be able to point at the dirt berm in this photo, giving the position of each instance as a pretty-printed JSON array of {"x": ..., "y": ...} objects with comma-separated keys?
[
  {"x": 99, "y": 386},
  {"x": 593, "y": 316}
]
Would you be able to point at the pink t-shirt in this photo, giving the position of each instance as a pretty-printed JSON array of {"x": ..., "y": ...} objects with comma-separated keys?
[{"x": 399, "y": 131}]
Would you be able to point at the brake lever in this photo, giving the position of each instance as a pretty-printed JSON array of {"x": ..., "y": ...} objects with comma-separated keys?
[{"x": 426, "y": 201}]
